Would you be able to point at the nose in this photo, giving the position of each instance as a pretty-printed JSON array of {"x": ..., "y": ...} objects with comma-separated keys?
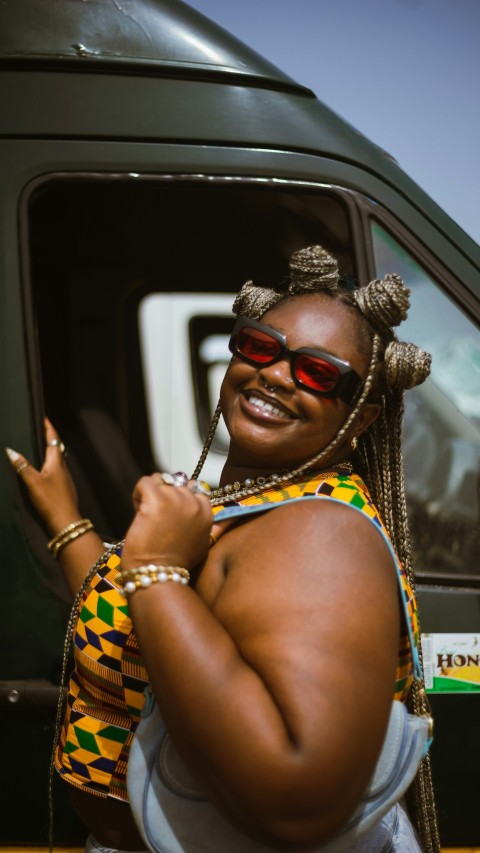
[{"x": 278, "y": 375}]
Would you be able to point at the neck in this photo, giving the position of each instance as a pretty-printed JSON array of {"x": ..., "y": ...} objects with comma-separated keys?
[
  {"x": 232, "y": 473},
  {"x": 239, "y": 473}
]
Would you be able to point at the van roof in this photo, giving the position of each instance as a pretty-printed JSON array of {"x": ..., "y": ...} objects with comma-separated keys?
[
  {"x": 168, "y": 40},
  {"x": 165, "y": 35}
]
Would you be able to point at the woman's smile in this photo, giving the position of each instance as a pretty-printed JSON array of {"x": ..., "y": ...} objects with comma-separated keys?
[{"x": 264, "y": 407}]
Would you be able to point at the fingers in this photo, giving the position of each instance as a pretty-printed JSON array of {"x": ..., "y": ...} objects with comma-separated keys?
[
  {"x": 55, "y": 449},
  {"x": 54, "y": 443},
  {"x": 19, "y": 462},
  {"x": 219, "y": 528},
  {"x": 199, "y": 487},
  {"x": 171, "y": 523},
  {"x": 179, "y": 480},
  {"x": 174, "y": 490}
]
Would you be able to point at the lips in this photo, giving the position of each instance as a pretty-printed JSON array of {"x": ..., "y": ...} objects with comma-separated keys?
[{"x": 266, "y": 407}]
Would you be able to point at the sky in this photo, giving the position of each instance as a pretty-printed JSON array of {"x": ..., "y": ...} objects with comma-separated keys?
[{"x": 406, "y": 73}]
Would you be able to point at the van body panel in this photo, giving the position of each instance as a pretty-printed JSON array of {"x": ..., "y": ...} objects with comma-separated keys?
[{"x": 147, "y": 105}]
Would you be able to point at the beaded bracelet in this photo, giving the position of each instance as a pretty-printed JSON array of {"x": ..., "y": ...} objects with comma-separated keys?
[
  {"x": 68, "y": 534},
  {"x": 144, "y": 576}
]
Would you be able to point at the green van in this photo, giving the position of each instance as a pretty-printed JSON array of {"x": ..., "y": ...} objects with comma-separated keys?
[{"x": 150, "y": 164}]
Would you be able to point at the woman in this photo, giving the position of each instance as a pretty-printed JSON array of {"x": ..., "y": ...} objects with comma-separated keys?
[{"x": 274, "y": 669}]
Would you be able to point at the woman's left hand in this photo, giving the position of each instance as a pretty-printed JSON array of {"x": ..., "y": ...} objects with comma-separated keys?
[{"x": 172, "y": 525}]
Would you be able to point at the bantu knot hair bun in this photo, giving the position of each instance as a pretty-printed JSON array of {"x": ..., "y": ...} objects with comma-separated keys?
[
  {"x": 406, "y": 365},
  {"x": 385, "y": 302},
  {"x": 312, "y": 269},
  {"x": 253, "y": 301}
]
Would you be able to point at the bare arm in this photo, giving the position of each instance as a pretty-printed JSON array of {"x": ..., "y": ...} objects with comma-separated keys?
[
  {"x": 275, "y": 683},
  {"x": 53, "y": 494}
]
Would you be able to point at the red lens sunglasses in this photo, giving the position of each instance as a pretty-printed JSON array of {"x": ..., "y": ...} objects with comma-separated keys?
[{"x": 312, "y": 369}]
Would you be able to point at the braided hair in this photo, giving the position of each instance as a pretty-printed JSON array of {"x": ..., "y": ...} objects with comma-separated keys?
[{"x": 394, "y": 367}]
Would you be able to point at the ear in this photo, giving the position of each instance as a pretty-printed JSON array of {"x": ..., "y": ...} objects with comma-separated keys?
[{"x": 366, "y": 417}]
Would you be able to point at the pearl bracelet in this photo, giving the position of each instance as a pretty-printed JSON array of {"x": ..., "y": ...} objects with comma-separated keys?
[{"x": 144, "y": 576}]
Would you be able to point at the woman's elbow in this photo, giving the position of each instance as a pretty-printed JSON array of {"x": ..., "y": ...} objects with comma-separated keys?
[{"x": 296, "y": 826}]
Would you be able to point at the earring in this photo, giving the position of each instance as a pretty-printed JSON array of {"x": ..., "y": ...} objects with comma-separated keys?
[{"x": 354, "y": 442}]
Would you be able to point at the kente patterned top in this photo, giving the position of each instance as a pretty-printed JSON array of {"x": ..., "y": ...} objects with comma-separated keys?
[{"x": 106, "y": 691}]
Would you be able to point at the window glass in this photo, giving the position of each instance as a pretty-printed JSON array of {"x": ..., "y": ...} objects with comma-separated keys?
[
  {"x": 184, "y": 342},
  {"x": 131, "y": 393},
  {"x": 442, "y": 420}
]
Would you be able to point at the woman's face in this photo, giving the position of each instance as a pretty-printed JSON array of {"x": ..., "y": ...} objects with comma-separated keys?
[{"x": 300, "y": 424}]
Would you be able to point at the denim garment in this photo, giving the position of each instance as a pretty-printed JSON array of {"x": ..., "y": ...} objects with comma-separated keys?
[
  {"x": 393, "y": 834},
  {"x": 92, "y": 846}
]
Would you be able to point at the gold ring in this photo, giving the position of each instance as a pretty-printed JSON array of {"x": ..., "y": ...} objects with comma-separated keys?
[{"x": 22, "y": 467}]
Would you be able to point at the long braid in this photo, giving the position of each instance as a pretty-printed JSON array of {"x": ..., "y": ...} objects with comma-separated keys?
[
  {"x": 420, "y": 796},
  {"x": 405, "y": 366},
  {"x": 394, "y": 367},
  {"x": 208, "y": 441}
]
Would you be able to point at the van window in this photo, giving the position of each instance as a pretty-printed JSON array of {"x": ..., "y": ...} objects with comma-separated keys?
[
  {"x": 129, "y": 283},
  {"x": 184, "y": 344},
  {"x": 442, "y": 422}
]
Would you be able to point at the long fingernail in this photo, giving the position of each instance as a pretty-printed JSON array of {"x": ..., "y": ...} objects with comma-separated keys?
[{"x": 12, "y": 454}]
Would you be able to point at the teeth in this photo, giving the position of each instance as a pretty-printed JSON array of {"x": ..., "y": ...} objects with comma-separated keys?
[{"x": 267, "y": 407}]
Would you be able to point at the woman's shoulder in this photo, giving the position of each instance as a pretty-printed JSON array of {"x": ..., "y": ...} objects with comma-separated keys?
[{"x": 338, "y": 484}]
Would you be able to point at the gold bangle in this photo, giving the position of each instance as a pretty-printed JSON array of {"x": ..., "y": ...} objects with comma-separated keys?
[
  {"x": 73, "y": 526},
  {"x": 74, "y": 531},
  {"x": 144, "y": 576},
  {"x": 71, "y": 537}
]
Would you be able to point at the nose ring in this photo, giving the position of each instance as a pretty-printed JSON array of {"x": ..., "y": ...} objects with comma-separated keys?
[{"x": 267, "y": 386}]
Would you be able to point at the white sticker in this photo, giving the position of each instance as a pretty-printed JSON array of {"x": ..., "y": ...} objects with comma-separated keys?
[{"x": 451, "y": 662}]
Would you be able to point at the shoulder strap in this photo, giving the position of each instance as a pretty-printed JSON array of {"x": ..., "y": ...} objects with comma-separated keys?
[{"x": 240, "y": 512}]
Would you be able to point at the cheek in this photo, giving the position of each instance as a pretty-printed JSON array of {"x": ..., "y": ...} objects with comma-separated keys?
[
  {"x": 238, "y": 372},
  {"x": 232, "y": 379}
]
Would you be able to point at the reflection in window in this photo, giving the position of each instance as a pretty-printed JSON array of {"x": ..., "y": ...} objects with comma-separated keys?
[
  {"x": 442, "y": 421},
  {"x": 184, "y": 344}
]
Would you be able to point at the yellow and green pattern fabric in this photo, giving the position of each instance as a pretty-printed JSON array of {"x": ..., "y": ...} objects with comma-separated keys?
[{"x": 106, "y": 691}]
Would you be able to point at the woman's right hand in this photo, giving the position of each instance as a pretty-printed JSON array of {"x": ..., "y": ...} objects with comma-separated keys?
[{"x": 51, "y": 489}]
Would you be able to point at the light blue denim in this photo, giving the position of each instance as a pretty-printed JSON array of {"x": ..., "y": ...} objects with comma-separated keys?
[
  {"x": 92, "y": 846},
  {"x": 392, "y": 834}
]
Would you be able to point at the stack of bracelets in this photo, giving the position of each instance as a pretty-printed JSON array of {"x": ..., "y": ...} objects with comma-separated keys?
[
  {"x": 68, "y": 534},
  {"x": 144, "y": 576}
]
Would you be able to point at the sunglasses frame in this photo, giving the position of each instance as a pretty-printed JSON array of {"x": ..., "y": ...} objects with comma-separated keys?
[{"x": 349, "y": 383}]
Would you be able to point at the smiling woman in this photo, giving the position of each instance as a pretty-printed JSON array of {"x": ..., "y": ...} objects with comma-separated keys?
[
  {"x": 224, "y": 616},
  {"x": 306, "y": 391}
]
